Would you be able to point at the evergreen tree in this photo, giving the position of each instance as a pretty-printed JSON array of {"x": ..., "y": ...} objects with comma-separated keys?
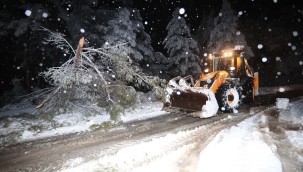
[
  {"x": 205, "y": 28},
  {"x": 143, "y": 40},
  {"x": 225, "y": 33},
  {"x": 120, "y": 29},
  {"x": 181, "y": 47}
]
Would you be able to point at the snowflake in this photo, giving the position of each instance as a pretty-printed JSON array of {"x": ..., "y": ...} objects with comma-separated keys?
[
  {"x": 145, "y": 22},
  {"x": 264, "y": 59},
  {"x": 260, "y": 46},
  {"x": 238, "y": 33},
  {"x": 44, "y": 15},
  {"x": 278, "y": 58},
  {"x": 181, "y": 11},
  {"x": 82, "y": 30},
  {"x": 293, "y": 48},
  {"x": 240, "y": 13},
  {"x": 295, "y": 33},
  {"x": 281, "y": 89},
  {"x": 28, "y": 12},
  {"x": 275, "y": 1}
]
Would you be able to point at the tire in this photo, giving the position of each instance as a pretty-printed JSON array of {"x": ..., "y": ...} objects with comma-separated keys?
[
  {"x": 229, "y": 98},
  {"x": 248, "y": 91}
]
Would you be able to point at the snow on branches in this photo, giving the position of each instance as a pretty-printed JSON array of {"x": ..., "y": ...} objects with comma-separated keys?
[{"x": 103, "y": 75}]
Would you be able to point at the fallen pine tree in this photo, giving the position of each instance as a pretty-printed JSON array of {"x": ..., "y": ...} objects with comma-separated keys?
[{"x": 103, "y": 76}]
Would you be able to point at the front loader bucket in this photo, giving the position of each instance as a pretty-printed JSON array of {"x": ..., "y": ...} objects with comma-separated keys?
[
  {"x": 186, "y": 100},
  {"x": 181, "y": 95}
]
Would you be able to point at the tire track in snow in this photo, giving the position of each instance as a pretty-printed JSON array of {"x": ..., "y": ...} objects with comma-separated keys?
[{"x": 147, "y": 153}]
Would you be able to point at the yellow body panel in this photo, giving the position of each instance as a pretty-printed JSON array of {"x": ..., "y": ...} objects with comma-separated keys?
[{"x": 218, "y": 81}]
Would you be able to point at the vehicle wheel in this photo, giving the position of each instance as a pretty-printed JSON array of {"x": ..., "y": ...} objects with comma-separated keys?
[
  {"x": 248, "y": 91},
  {"x": 229, "y": 98}
]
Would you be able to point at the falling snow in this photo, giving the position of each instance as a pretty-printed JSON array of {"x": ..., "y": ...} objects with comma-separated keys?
[
  {"x": 45, "y": 15},
  {"x": 28, "y": 12},
  {"x": 260, "y": 46},
  {"x": 181, "y": 11},
  {"x": 295, "y": 33},
  {"x": 281, "y": 89},
  {"x": 278, "y": 58},
  {"x": 264, "y": 59}
]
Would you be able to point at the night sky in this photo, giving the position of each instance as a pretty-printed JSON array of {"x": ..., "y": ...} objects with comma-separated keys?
[
  {"x": 271, "y": 23},
  {"x": 158, "y": 13}
]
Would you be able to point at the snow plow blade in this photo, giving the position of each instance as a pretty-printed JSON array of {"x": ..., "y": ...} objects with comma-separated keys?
[
  {"x": 186, "y": 100},
  {"x": 181, "y": 95}
]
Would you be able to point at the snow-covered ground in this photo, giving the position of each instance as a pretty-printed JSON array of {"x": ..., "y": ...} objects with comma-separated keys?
[
  {"x": 19, "y": 125},
  {"x": 251, "y": 145},
  {"x": 262, "y": 142}
]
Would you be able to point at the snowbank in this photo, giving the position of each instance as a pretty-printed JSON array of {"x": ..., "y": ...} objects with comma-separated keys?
[
  {"x": 282, "y": 103},
  {"x": 241, "y": 148},
  {"x": 19, "y": 125}
]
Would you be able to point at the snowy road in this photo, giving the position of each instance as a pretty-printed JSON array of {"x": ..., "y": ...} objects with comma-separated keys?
[
  {"x": 172, "y": 142},
  {"x": 56, "y": 153}
]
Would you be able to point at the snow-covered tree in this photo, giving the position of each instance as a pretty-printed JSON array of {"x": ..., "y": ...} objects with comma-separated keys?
[
  {"x": 182, "y": 48},
  {"x": 143, "y": 40},
  {"x": 225, "y": 33},
  {"x": 203, "y": 31},
  {"x": 120, "y": 29}
]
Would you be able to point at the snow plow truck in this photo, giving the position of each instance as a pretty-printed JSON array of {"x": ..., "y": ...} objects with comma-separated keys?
[{"x": 225, "y": 85}]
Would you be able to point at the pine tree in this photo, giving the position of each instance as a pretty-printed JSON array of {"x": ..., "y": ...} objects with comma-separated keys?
[
  {"x": 123, "y": 29},
  {"x": 225, "y": 33},
  {"x": 181, "y": 47},
  {"x": 203, "y": 31},
  {"x": 143, "y": 40}
]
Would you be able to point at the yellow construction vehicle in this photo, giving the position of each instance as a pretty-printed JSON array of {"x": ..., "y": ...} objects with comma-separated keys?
[{"x": 225, "y": 85}]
